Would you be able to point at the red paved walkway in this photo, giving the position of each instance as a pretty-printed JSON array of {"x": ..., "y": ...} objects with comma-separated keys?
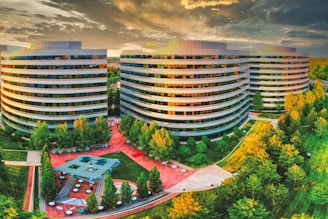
[
  {"x": 169, "y": 176},
  {"x": 28, "y": 191}
]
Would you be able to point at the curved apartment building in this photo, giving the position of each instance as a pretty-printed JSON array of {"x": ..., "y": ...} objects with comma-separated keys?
[
  {"x": 192, "y": 88},
  {"x": 277, "y": 71},
  {"x": 54, "y": 82}
]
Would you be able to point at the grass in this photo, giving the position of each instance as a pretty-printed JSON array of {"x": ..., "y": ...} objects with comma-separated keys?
[
  {"x": 18, "y": 179},
  {"x": 128, "y": 169},
  {"x": 213, "y": 153},
  {"x": 238, "y": 157},
  {"x": 154, "y": 212},
  {"x": 6, "y": 142},
  {"x": 270, "y": 115},
  {"x": 36, "y": 188},
  {"x": 317, "y": 169},
  {"x": 14, "y": 155}
]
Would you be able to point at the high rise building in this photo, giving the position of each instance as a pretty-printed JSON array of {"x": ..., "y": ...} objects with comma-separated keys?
[
  {"x": 275, "y": 72},
  {"x": 55, "y": 82},
  {"x": 192, "y": 88}
]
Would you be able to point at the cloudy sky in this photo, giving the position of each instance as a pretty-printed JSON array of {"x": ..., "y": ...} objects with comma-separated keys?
[{"x": 127, "y": 24}]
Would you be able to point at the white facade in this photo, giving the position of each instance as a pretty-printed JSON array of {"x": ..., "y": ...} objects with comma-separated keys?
[
  {"x": 277, "y": 71},
  {"x": 192, "y": 88},
  {"x": 54, "y": 82}
]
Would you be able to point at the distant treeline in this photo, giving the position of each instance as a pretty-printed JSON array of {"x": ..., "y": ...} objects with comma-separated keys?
[{"x": 319, "y": 68}]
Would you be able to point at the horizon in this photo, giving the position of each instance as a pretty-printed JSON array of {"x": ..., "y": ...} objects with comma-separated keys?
[{"x": 117, "y": 25}]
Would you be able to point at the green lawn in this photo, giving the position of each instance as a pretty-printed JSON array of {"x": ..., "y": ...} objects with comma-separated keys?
[
  {"x": 14, "y": 155},
  {"x": 6, "y": 142},
  {"x": 317, "y": 168},
  {"x": 18, "y": 179},
  {"x": 128, "y": 169}
]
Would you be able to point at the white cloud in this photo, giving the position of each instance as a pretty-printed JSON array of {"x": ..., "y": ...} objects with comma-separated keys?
[{"x": 192, "y": 4}]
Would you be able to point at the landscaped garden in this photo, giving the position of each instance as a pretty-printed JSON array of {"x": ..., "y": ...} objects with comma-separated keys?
[
  {"x": 128, "y": 169},
  {"x": 18, "y": 179},
  {"x": 250, "y": 142},
  {"x": 14, "y": 155}
]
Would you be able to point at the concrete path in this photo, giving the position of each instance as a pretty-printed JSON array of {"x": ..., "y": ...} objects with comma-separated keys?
[{"x": 205, "y": 178}]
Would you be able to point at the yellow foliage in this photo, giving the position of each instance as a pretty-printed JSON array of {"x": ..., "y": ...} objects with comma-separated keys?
[
  {"x": 290, "y": 103},
  {"x": 309, "y": 97},
  {"x": 290, "y": 150},
  {"x": 300, "y": 101},
  {"x": 319, "y": 90},
  {"x": 251, "y": 145},
  {"x": 323, "y": 111},
  {"x": 11, "y": 212},
  {"x": 162, "y": 138},
  {"x": 275, "y": 140},
  {"x": 295, "y": 115},
  {"x": 185, "y": 205},
  {"x": 301, "y": 216}
]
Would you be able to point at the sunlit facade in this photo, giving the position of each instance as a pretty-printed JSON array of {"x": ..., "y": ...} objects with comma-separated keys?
[
  {"x": 54, "y": 82},
  {"x": 277, "y": 71},
  {"x": 192, "y": 88}
]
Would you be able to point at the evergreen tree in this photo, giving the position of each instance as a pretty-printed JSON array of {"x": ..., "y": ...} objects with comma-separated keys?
[
  {"x": 155, "y": 182},
  {"x": 247, "y": 208},
  {"x": 109, "y": 198},
  {"x": 142, "y": 185},
  {"x": 257, "y": 102},
  {"x": 126, "y": 192},
  {"x": 126, "y": 123},
  {"x": 92, "y": 206},
  {"x": 48, "y": 182}
]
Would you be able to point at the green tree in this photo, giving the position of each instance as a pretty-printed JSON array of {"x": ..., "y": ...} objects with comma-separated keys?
[
  {"x": 84, "y": 132},
  {"x": 319, "y": 193},
  {"x": 92, "y": 205},
  {"x": 63, "y": 136},
  {"x": 191, "y": 142},
  {"x": 184, "y": 151},
  {"x": 221, "y": 145},
  {"x": 101, "y": 130},
  {"x": 126, "y": 123},
  {"x": 311, "y": 118},
  {"x": 142, "y": 185},
  {"x": 48, "y": 182},
  {"x": 40, "y": 135},
  {"x": 109, "y": 198},
  {"x": 155, "y": 182},
  {"x": 276, "y": 193},
  {"x": 161, "y": 144},
  {"x": 206, "y": 140},
  {"x": 278, "y": 107},
  {"x": 145, "y": 135},
  {"x": 8, "y": 208},
  {"x": 267, "y": 172},
  {"x": 288, "y": 156},
  {"x": 135, "y": 130},
  {"x": 201, "y": 147},
  {"x": 295, "y": 174},
  {"x": 257, "y": 102},
  {"x": 126, "y": 192},
  {"x": 321, "y": 127},
  {"x": 247, "y": 208},
  {"x": 253, "y": 184},
  {"x": 199, "y": 159}
]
